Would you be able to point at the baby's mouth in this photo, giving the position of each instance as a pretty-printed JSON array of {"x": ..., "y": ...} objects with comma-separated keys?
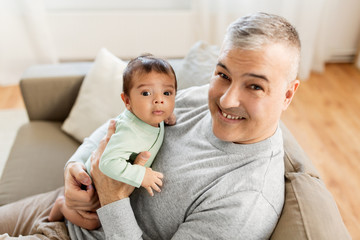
[{"x": 158, "y": 112}]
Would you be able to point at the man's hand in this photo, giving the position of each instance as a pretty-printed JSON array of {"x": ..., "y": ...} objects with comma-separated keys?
[
  {"x": 76, "y": 196},
  {"x": 85, "y": 201}
]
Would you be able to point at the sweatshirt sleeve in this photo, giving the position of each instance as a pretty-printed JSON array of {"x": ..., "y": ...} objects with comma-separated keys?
[
  {"x": 89, "y": 145},
  {"x": 118, "y": 221}
]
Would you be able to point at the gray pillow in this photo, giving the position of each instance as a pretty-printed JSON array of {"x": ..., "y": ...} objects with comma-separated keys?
[{"x": 198, "y": 65}]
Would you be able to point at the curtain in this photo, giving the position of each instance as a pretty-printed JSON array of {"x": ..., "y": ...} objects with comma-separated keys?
[
  {"x": 24, "y": 38},
  {"x": 311, "y": 19}
]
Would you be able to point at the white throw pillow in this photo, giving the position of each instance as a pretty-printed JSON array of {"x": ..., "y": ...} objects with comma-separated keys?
[
  {"x": 198, "y": 66},
  {"x": 99, "y": 98}
]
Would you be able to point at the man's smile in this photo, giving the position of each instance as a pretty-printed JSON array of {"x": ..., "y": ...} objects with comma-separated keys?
[{"x": 229, "y": 116}]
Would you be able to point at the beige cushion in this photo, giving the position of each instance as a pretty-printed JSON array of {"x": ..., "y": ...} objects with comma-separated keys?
[
  {"x": 36, "y": 161},
  {"x": 99, "y": 97},
  {"x": 310, "y": 211}
]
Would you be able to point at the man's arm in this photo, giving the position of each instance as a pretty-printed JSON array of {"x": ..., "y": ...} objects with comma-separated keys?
[{"x": 76, "y": 176}]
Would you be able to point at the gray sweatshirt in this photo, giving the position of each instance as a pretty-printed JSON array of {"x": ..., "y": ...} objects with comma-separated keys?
[{"x": 212, "y": 189}]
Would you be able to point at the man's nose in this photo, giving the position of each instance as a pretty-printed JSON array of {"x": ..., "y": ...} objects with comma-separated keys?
[{"x": 231, "y": 98}]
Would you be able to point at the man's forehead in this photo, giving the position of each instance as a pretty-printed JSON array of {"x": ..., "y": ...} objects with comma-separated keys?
[
  {"x": 254, "y": 64},
  {"x": 267, "y": 60},
  {"x": 245, "y": 74},
  {"x": 235, "y": 59}
]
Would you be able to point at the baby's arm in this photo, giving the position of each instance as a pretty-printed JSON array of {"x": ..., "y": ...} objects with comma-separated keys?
[
  {"x": 171, "y": 120},
  {"x": 152, "y": 180}
]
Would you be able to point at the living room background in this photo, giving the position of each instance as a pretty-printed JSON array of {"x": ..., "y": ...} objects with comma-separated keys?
[{"x": 49, "y": 31}]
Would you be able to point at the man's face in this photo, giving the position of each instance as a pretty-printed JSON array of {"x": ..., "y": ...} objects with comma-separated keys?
[
  {"x": 152, "y": 97},
  {"x": 248, "y": 92}
]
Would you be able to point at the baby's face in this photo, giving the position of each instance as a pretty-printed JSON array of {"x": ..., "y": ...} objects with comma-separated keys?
[{"x": 152, "y": 97}]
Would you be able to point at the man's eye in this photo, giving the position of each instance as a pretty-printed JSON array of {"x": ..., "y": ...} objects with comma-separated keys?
[
  {"x": 146, "y": 94},
  {"x": 167, "y": 93},
  {"x": 222, "y": 75}
]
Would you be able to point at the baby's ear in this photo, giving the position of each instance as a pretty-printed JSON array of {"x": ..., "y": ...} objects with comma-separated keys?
[{"x": 126, "y": 101}]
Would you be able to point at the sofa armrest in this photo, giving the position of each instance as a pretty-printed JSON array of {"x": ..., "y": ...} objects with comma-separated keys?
[
  {"x": 309, "y": 212},
  {"x": 49, "y": 91}
]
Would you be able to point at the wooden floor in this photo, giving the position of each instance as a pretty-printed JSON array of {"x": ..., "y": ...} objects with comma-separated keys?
[
  {"x": 10, "y": 97},
  {"x": 325, "y": 119}
]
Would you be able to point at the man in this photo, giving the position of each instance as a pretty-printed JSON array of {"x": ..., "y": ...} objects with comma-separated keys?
[{"x": 223, "y": 160}]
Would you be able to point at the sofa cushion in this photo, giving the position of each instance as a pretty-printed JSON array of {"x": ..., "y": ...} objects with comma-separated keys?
[
  {"x": 198, "y": 65},
  {"x": 50, "y": 90},
  {"x": 99, "y": 96},
  {"x": 309, "y": 212},
  {"x": 48, "y": 149}
]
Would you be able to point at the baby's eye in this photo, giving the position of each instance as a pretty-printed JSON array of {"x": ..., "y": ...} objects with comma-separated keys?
[
  {"x": 256, "y": 87},
  {"x": 167, "y": 93},
  {"x": 146, "y": 94}
]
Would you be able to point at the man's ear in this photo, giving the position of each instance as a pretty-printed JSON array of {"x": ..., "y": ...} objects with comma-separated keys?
[
  {"x": 126, "y": 101},
  {"x": 292, "y": 87}
]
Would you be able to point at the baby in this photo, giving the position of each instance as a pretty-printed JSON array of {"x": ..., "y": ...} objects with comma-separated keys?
[{"x": 149, "y": 89}]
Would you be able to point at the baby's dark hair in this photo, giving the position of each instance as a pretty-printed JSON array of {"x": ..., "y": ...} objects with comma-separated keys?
[{"x": 145, "y": 64}]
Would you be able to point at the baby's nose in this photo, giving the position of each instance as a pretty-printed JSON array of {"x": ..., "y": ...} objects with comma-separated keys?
[{"x": 158, "y": 100}]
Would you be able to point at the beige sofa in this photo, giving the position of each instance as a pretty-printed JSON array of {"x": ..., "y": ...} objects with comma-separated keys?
[{"x": 41, "y": 148}]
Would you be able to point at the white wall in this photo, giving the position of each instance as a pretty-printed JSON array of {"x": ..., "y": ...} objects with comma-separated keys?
[
  {"x": 343, "y": 32},
  {"x": 80, "y": 28},
  {"x": 80, "y": 32},
  {"x": 70, "y": 30}
]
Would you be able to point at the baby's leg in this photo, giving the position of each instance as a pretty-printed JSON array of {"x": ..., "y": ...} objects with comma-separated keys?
[
  {"x": 56, "y": 211},
  {"x": 60, "y": 210}
]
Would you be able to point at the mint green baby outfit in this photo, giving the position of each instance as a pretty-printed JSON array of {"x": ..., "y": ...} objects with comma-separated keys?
[{"x": 131, "y": 137}]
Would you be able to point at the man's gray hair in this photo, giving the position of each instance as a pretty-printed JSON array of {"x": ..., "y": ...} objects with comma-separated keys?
[{"x": 253, "y": 31}]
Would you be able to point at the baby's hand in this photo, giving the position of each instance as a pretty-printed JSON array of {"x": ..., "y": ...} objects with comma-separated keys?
[
  {"x": 152, "y": 180},
  {"x": 171, "y": 120}
]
